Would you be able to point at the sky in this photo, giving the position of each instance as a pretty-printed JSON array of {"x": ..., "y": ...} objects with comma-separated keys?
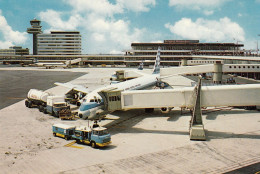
[{"x": 110, "y": 26}]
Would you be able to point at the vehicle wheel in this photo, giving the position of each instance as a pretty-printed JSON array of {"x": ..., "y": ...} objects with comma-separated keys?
[
  {"x": 54, "y": 134},
  {"x": 26, "y": 103},
  {"x": 40, "y": 108},
  {"x": 29, "y": 104},
  {"x": 66, "y": 138},
  {"x": 77, "y": 140},
  {"x": 93, "y": 144},
  {"x": 44, "y": 110}
]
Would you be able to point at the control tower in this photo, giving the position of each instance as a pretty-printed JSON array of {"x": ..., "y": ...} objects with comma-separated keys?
[{"x": 35, "y": 30}]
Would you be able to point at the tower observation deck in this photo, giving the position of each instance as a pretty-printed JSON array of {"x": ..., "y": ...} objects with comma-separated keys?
[{"x": 35, "y": 30}]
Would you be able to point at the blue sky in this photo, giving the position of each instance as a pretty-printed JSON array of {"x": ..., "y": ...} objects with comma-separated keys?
[{"x": 110, "y": 26}]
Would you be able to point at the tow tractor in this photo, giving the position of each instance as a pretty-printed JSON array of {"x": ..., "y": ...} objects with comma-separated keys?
[{"x": 96, "y": 136}]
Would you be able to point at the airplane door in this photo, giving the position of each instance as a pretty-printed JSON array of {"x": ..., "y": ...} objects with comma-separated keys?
[{"x": 112, "y": 100}]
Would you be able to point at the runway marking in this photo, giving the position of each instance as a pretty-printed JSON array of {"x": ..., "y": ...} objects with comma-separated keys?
[
  {"x": 71, "y": 145},
  {"x": 78, "y": 147}
]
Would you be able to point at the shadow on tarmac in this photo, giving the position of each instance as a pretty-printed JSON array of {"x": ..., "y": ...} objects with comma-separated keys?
[
  {"x": 128, "y": 119},
  {"x": 221, "y": 135}
]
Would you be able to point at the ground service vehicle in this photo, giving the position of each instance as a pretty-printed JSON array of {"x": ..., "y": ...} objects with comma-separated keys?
[
  {"x": 46, "y": 102},
  {"x": 63, "y": 130},
  {"x": 55, "y": 104},
  {"x": 36, "y": 97},
  {"x": 98, "y": 136}
]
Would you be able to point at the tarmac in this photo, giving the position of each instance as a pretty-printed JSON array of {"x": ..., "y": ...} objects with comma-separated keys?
[{"x": 141, "y": 142}]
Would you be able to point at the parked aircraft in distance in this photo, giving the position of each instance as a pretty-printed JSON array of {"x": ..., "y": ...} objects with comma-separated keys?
[{"x": 49, "y": 65}]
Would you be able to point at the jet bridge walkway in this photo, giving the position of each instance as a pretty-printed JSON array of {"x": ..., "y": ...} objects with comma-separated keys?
[{"x": 188, "y": 97}]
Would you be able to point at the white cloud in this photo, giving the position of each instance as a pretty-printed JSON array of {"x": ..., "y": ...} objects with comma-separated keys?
[
  {"x": 208, "y": 12},
  {"x": 196, "y": 3},
  {"x": 111, "y": 36},
  {"x": 137, "y": 5},
  {"x": 206, "y": 6},
  {"x": 10, "y": 36},
  {"x": 101, "y": 7},
  {"x": 101, "y": 31},
  {"x": 208, "y": 30},
  {"x": 53, "y": 18}
]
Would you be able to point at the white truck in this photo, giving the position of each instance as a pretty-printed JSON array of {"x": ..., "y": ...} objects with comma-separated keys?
[
  {"x": 36, "y": 97},
  {"x": 55, "y": 104},
  {"x": 46, "y": 102}
]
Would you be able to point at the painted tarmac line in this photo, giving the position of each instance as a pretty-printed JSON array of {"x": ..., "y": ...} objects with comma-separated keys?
[{"x": 70, "y": 144}]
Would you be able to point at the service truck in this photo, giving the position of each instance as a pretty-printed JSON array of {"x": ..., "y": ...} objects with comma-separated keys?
[
  {"x": 55, "y": 104},
  {"x": 97, "y": 136},
  {"x": 46, "y": 102},
  {"x": 36, "y": 97},
  {"x": 63, "y": 130}
]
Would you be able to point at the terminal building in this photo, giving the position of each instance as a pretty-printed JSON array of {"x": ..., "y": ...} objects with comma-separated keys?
[
  {"x": 14, "y": 50},
  {"x": 173, "y": 51},
  {"x": 55, "y": 43},
  {"x": 59, "y": 43}
]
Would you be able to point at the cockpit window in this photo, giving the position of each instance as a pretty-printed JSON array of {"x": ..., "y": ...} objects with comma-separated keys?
[{"x": 96, "y": 100}]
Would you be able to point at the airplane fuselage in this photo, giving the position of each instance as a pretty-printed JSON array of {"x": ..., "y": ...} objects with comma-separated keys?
[{"x": 88, "y": 110}]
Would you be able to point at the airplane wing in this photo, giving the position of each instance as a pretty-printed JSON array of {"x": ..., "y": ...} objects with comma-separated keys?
[{"x": 78, "y": 88}]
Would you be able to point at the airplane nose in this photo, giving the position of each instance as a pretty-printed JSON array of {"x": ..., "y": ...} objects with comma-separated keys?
[{"x": 86, "y": 115}]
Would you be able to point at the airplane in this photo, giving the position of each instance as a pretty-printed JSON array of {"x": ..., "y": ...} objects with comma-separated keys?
[
  {"x": 49, "y": 65},
  {"x": 92, "y": 105}
]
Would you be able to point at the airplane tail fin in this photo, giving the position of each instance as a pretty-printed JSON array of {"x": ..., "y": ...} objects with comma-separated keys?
[{"x": 156, "y": 68}]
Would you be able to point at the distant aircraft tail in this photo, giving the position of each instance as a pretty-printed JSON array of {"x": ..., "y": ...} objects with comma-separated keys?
[
  {"x": 141, "y": 66},
  {"x": 156, "y": 68}
]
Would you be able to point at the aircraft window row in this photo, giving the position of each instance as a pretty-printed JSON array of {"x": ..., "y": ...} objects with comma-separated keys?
[
  {"x": 244, "y": 67},
  {"x": 114, "y": 98}
]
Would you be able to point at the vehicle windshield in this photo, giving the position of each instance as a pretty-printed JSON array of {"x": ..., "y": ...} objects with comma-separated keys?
[{"x": 103, "y": 132}]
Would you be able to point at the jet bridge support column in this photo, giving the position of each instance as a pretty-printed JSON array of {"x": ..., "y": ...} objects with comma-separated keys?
[
  {"x": 217, "y": 75},
  {"x": 196, "y": 126},
  {"x": 184, "y": 62}
]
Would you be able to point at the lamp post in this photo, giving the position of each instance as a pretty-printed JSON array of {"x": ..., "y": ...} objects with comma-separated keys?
[{"x": 257, "y": 45}]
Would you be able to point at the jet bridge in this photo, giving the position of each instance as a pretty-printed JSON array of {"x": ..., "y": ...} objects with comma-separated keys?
[
  {"x": 226, "y": 95},
  {"x": 188, "y": 97}
]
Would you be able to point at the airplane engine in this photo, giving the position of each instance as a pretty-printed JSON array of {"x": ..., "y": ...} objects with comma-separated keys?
[{"x": 165, "y": 110}]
